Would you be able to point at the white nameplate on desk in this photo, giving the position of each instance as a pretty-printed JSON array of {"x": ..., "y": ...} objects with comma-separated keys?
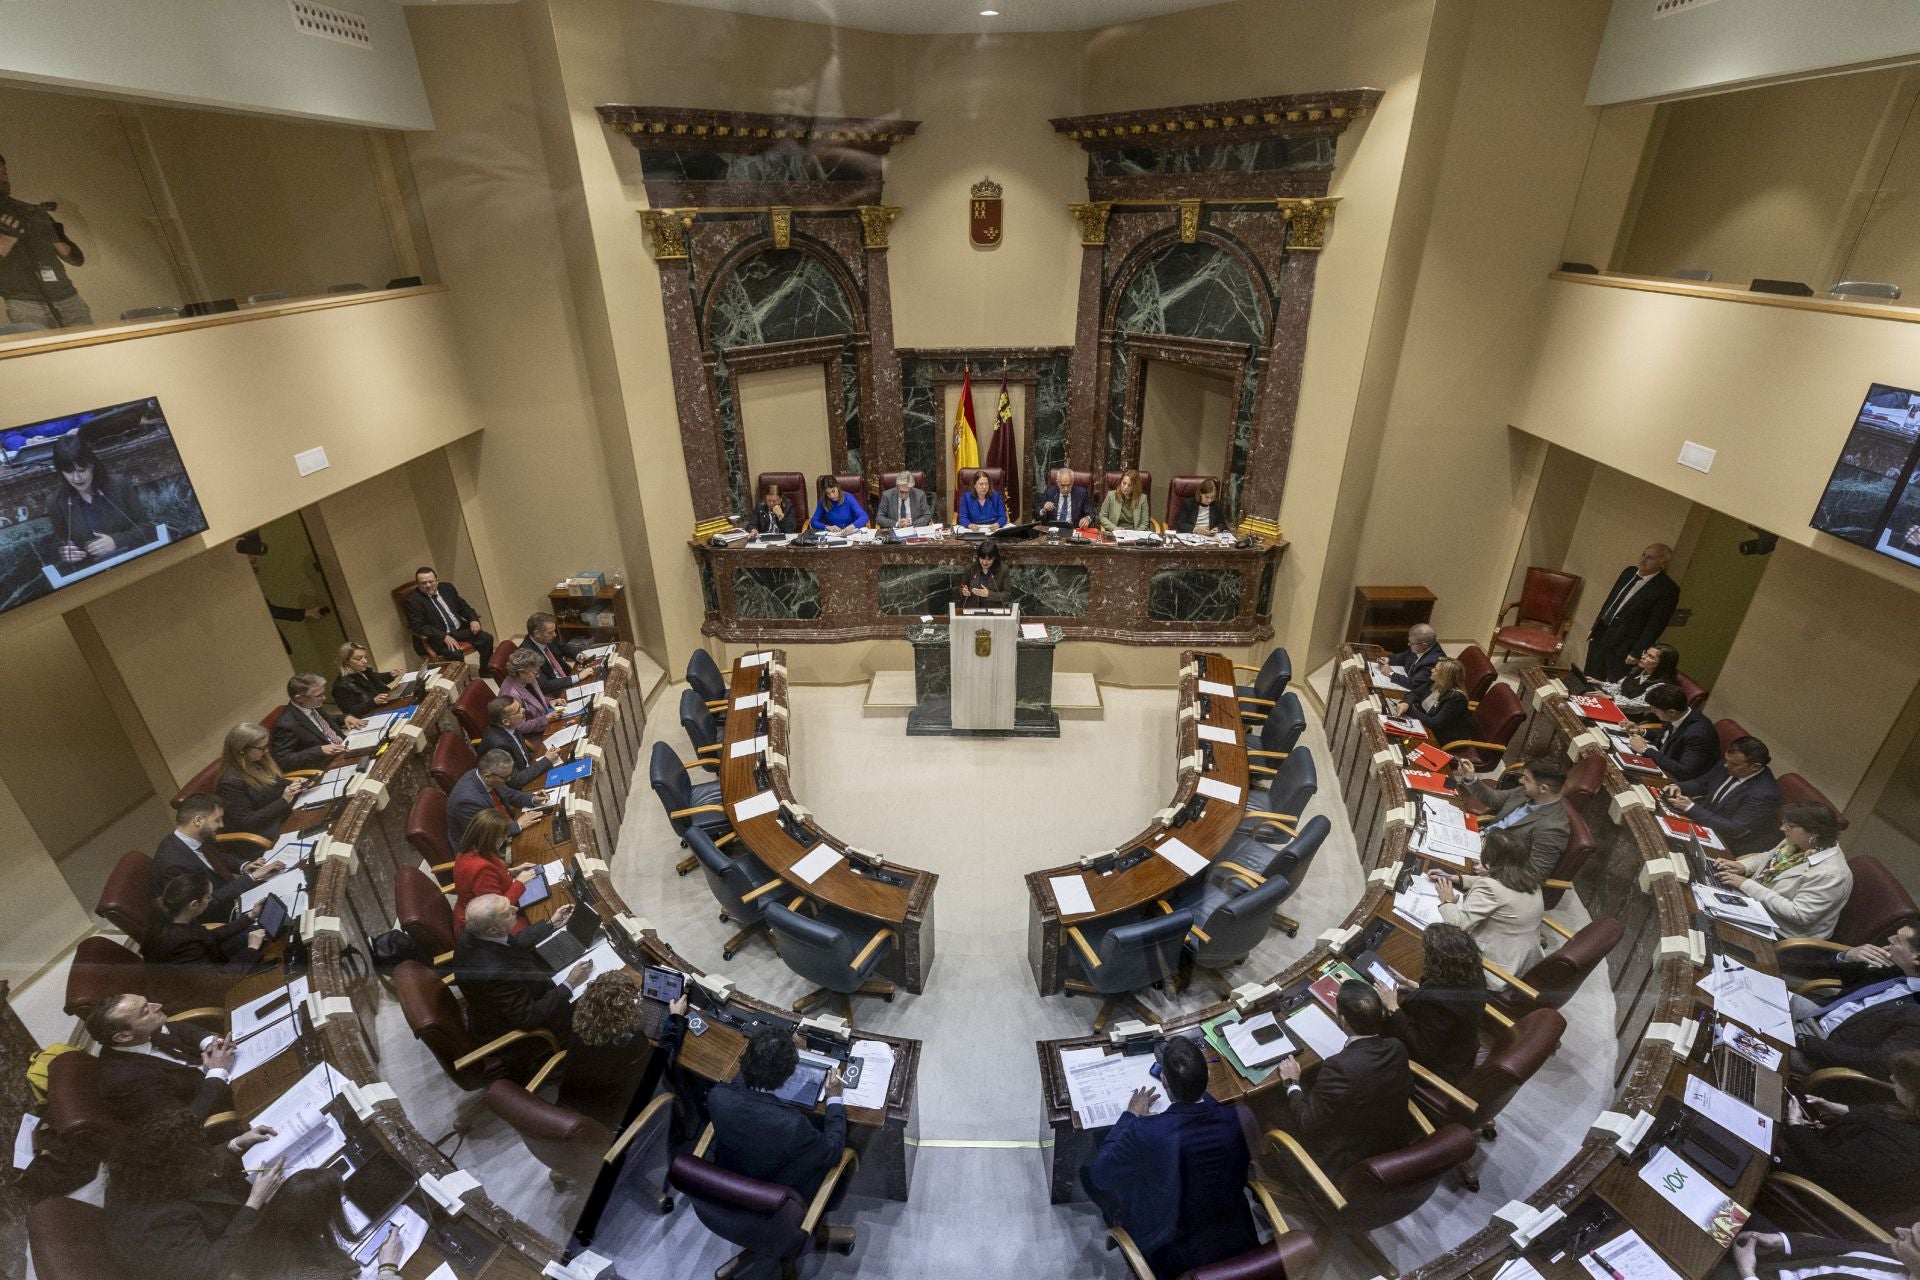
[
  {"x": 1189, "y": 862},
  {"x": 748, "y": 701},
  {"x": 1214, "y": 733},
  {"x": 748, "y": 746},
  {"x": 1070, "y": 894},
  {"x": 1216, "y": 689},
  {"x": 754, "y": 806},
  {"x": 1218, "y": 790},
  {"x": 821, "y": 860},
  {"x": 756, "y": 659}
]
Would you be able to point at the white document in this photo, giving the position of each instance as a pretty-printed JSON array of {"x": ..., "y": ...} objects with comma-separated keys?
[
  {"x": 605, "y": 960},
  {"x": 1189, "y": 862},
  {"x": 366, "y": 737},
  {"x": 554, "y": 873},
  {"x": 876, "y": 1073},
  {"x": 1693, "y": 1194},
  {"x": 553, "y": 797},
  {"x": 586, "y": 692},
  {"x": 331, "y": 788},
  {"x": 597, "y": 651},
  {"x": 1214, "y": 733},
  {"x": 23, "y": 1140},
  {"x": 264, "y": 1045},
  {"x": 1383, "y": 682},
  {"x": 748, "y": 747},
  {"x": 294, "y": 1115},
  {"x": 443, "y": 1272},
  {"x": 1070, "y": 894},
  {"x": 289, "y": 886},
  {"x": 1310, "y": 1025},
  {"x": 1755, "y": 1128},
  {"x": 1218, "y": 790},
  {"x": 754, "y": 806},
  {"x": 1455, "y": 844},
  {"x": 1626, "y": 1257},
  {"x": 822, "y": 859},
  {"x": 413, "y": 1230},
  {"x": 561, "y": 739},
  {"x": 1100, "y": 1084},
  {"x": 1757, "y": 1001},
  {"x": 1442, "y": 814},
  {"x": 1240, "y": 1038},
  {"x": 760, "y": 659},
  {"x": 1033, "y": 631},
  {"x": 748, "y": 701},
  {"x": 1731, "y": 905},
  {"x": 1216, "y": 689},
  {"x": 1419, "y": 903},
  {"x": 267, "y": 1009}
]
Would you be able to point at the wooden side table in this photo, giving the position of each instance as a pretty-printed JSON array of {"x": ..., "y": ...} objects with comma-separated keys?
[
  {"x": 1381, "y": 615},
  {"x": 567, "y": 610}
]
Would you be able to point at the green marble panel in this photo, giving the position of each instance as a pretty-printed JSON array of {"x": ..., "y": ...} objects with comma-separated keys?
[
  {"x": 1194, "y": 595},
  {"x": 1050, "y": 590},
  {"x": 1263, "y": 607},
  {"x": 768, "y": 591},
  {"x": 910, "y": 590}
]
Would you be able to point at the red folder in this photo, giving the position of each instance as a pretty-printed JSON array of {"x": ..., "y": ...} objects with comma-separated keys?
[
  {"x": 1598, "y": 707},
  {"x": 1432, "y": 783},
  {"x": 1425, "y": 755}
]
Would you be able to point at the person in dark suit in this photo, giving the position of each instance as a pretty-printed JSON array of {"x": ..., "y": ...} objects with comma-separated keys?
[
  {"x": 1774, "y": 1255},
  {"x": 361, "y": 688},
  {"x": 557, "y": 669},
  {"x": 180, "y": 939},
  {"x": 437, "y": 614},
  {"x": 1875, "y": 1014},
  {"x": 1064, "y": 502},
  {"x": 773, "y": 515},
  {"x": 507, "y": 986},
  {"x": 149, "y": 1065},
  {"x": 1357, "y": 1106},
  {"x": 190, "y": 847},
  {"x": 986, "y": 586},
  {"x": 1737, "y": 798},
  {"x": 1533, "y": 813},
  {"x": 503, "y": 719},
  {"x": 178, "y": 1204},
  {"x": 1174, "y": 1180},
  {"x": 1867, "y": 1154},
  {"x": 1412, "y": 667},
  {"x": 484, "y": 786},
  {"x": 1439, "y": 1020},
  {"x": 1874, "y": 962},
  {"x": 759, "y": 1136},
  {"x": 256, "y": 796},
  {"x": 1203, "y": 512},
  {"x": 1443, "y": 711},
  {"x": 302, "y": 1233},
  {"x": 1685, "y": 746},
  {"x": 1637, "y": 609},
  {"x": 307, "y": 735}
]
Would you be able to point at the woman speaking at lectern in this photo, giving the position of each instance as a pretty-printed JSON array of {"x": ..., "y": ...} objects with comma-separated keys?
[{"x": 986, "y": 585}]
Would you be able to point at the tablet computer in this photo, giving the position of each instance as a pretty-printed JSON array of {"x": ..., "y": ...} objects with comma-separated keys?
[{"x": 536, "y": 892}]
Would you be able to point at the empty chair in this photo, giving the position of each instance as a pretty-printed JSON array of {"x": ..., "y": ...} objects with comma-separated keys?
[
  {"x": 450, "y": 760},
  {"x": 427, "y": 834},
  {"x": 1496, "y": 718},
  {"x": 68, "y": 1239},
  {"x": 704, "y": 675},
  {"x": 1120, "y": 960},
  {"x": 126, "y": 900},
  {"x": 1542, "y": 615},
  {"x": 1478, "y": 670},
  {"x": 1229, "y": 921},
  {"x": 766, "y": 1220},
  {"x": 1272, "y": 676},
  {"x": 496, "y": 665},
  {"x": 1879, "y": 290},
  {"x": 1579, "y": 848},
  {"x": 1278, "y": 734},
  {"x": 421, "y": 910},
  {"x": 837, "y": 953},
  {"x": 438, "y": 1021},
  {"x": 687, "y": 802},
  {"x": 1479, "y": 1096},
  {"x": 1559, "y": 974},
  {"x": 740, "y": 885},
  {"x": 1254, "y": 863},
  {"x": 470, "y": 708},
  {"x": 703, "y": 731},
  {"x": 1376, "y": 1192},
  {"x": 1289, "y": 791},
  {"x": 575, "y": 1147}
]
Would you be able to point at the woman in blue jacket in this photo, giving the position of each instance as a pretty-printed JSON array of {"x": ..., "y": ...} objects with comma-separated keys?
[
  {"x": 980, "y": 506},
  {"x": 837, "y": 511}
]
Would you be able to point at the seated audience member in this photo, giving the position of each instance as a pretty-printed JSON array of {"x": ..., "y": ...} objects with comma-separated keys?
[
  {"x": 1439, "y": 1020},
  {"x": 1063, "y": 502},
  {"x": 1866, "y": 1153},
  {"x": 756, "y": 1134},
  {"x": 307, "y": 736},
  {"x": 149, "y": 1065},
  {"x": 180, "y": 939},
  {"x": 1803, "y": 881},
  {"x": 362, "y": 688},
  {"x": 254, "y": 794},
  {"x": 1637, "y": 609},
  {"x": 1174, "y": 1180},
  {"x": 504, "y": 717},
  {"x": 1356, "y": 1107},
  {"x": 190, "y": 846},
  {"x": 1202, "y": 513},
  {"x": 1501, "y": 909},
  {"x": 903, "y": 505},
  {"x": 772, "y": 516},
  {"x": 481, "y": 866},
  {"x": 1874, "y": 1015},
  {"x": 986, "y": 585},
  {"x": 480, "y": 788},
  {"x": 523, "y": 686},
  {"x": 1443, "y": 711},
  {"x": 508, "y": 987},
  {"x": 1412, "y": 667},
  {"x": 442, "y": 620},
  {"x": 982, "y": 506},
  {"x": 558, "y": 668},
  {"x": 302, "y": 1234},
  {"x": 837, "y": 512},
  {"x": 1737, "y": 798},
  {"x": 1685, "y": 745},
  {"x": 1772, "y": 1255},
  {"x": 1533, "y": 813},
  {"x": 611, "y": 1067},
  {"x": 181, "y": 1206},
  {"x": 1655, "y": 665},
  {"x": 1125, "y": 507}
]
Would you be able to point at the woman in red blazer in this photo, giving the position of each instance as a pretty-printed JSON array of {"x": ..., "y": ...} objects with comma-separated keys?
[{"x": 481, "y": 866}]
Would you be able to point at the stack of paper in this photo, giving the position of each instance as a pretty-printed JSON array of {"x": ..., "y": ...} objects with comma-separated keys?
[
  {"x": 1755, "y": 1128},
  {"x": 822, "y": 859},
  {"x": 747, "y": 747},
  {"x": 1070, "y": 894},
  {"x": 1101, "y": 1084},
  {"x": 1241, "y": 1036},
  {"x": 1033, "y": 631},
  {"x": 326, "y": 789},
  {"x": 876, "y": 1073},
  {"x": 1215, "y": 789},
  {"x": 264, "y": 1045},
  {"x": 597, "y": 651},
  {"x": 1626, "y": 1257},
  {"x": 289, "y": 886},
  {"x": 1732, "y": 905},
  {"x": 267, "y": 1009},
  {"x": 1310, "y": 1025},
  {"x": 1214, "y": 689},
  {"x": 1419, "y": 903},
  {"x": 1448, "y": 843},
  {"x": 1176, "y": 852},
  {"x": 1214, "y": 733},
  {"x": 304, "y": 1134},
  {"x": 1755, "y": 1000},
  {"x": 561, "y": 739},
  {"x": 605, "y": 960},
  {"x": 755, "y": 805}
]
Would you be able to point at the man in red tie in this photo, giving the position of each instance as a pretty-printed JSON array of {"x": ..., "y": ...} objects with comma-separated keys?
[{"x": 485, "y": 786}]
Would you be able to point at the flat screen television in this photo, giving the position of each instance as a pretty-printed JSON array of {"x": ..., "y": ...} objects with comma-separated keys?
[
  {"x": 1873, "y": 497},
  {"x": 82, "y": 494}
]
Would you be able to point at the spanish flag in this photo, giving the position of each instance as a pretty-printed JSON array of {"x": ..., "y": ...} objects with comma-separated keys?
[{"x": 966, "y": 445}]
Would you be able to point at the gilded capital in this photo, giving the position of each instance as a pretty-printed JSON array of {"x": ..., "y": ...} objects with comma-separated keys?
[
  {"x": 1092, "y": 218},
  {"x": 781, "y": 218},
  {"x": 668, "y": 228},
  {"x": 1307, "y": 222},
  {"x": 873, "y": 223},
  {"x": 1189, "y": 221}
]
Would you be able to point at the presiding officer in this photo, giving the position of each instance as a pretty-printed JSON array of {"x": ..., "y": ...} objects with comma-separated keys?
[
  {"x": 981, "y": 507},
  {"x": 837, "y": 511}
]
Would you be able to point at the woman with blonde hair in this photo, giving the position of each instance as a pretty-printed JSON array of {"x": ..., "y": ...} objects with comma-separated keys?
[
  {"x": 1125, "y": 507},
  {"x": 361, "y": 688},
  {"x": 480, "y": 867},
  {"x": 255, "y": 793},
  {"x": 1443, "y": 711}
]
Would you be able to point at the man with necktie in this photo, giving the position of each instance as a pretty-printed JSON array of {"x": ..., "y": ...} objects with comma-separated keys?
[
  {"x": 1874, "y": 1015},
  {"x": 556, "y": 663},
  {"x": 148, "y": 1064},
  {"x": 1738, "y": 798},
  {"x": 1635, "y": 612},
  {"x": 306, "y": 735},
  {"x": 442, "y": 620},
  {"x": 190, "y": 846},
  {"x": 1063, "y": 502},
  {"x": 485, "y": 786}
]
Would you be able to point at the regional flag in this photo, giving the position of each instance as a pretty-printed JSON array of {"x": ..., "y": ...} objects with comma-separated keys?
[
  {"x": 966, "y": 445},
  {"x": 1001, "y": 452}
]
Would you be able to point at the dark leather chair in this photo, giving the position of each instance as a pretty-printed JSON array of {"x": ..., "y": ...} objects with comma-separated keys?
[
  {"x": 740, "y": 885},
  {"x": 1479, "y": 1097},
  {"x": 1478, "y": 671},
  {"x": 888, "y": 478},
  {"x": 68, "y": 1239},
  {"x": 427, "y": 834},
  {"x": 1230, "y": 917},
  {"x": 497, "y": 661},
  {"x": 1270, "y": 679},
  {"x": 126, "y": 901},
  {"x": 1580, "y": 846},
  {"x": 267, "y": 722},
  {"x": 1585, "y": 780},
  {"x": 1119, "y": 960},
  {"x": 450, "y": 760},
  {"x": 996, "y": 476},
  {"x": 575, "y": 1147},
  {"x": 1795, "y": 789},
  {"x": 470, "y": 708},
  {"x": 74, "y": 1108},
  {"x": 421, "y": 910},
  {"x": 1555, "y": 978},
  {"x": 1376, "y": 1192},
  {"x": 1696, "y": 696},
  {"x": 1542, "y": 615},
  {"x": 838, "y": 953},
  {"x": 1179, "y": 489},
  {"x": 1876, "y": 905},
  {"x": 1290, "y": 1254},
  {"x": 1496, "y": 718},
  {"x": 203, "y": 783},
  {"x": 102, "y": 969},
  {"x": 850, "y": 482},
  {"x": 702, "y": 729},
  {"x": 767, "y": 1220},
  {"x": 1252, "y": 862},
  {"x": 1111, "y": 481},
  {"x": 437, "y": 1020},
  {"x": 687, "y": 802},
  {"x": 793, "y": 489},
  {"x": 1728, "y": 730},
  {"x": 1289, "y": 791},
  {"x": 1277, "y": 736},
  {"x": 704, "y": 678}
]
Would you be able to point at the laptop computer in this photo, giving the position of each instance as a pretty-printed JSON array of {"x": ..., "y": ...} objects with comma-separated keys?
[
  {"x": 1745, "y": 1079},
  {"x": 564, "y": 946}
]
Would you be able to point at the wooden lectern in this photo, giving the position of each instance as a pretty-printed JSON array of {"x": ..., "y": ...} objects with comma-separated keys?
[{"x": 982, "y": 649}]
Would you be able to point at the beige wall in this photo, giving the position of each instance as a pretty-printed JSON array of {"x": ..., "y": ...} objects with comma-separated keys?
[
  {"x": 1186, "y": 420},
  {"x": 783, "y": 421},
  {"x": 378, "y": 541},
  {"x": 1621, "y": 516},
  {"x": 39, "y": 916}
]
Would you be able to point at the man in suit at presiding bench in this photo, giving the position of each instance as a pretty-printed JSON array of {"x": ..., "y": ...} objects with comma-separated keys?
[
  {"x": 506, "y": 985},
  {"x": 437, "y": 614},
  {"x": 756, "y": 1134},
  {"x": 1357, "y": 1106},
  {"x": 307, "y": 736},
  {"x": 902, "y": 505},
  {"x": 1174, "y": 1180},
  {"x": 148, "y": 1065},
  {"x": 1063, "y": 502}
]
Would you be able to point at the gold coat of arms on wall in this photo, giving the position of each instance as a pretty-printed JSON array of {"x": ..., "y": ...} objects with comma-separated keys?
[{"x": 983, "y": 213}]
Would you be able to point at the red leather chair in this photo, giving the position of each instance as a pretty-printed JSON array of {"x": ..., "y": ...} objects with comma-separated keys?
[
  {"x": 470, "y": 708},
  {"x": 267, "y": 722},
  {"x": 1179, "y": 489},
  {"x": 74, "y": 1108},
  {"x": 1728, "y": 730},
  {"x": 1795, "y": 789},
  {"x": 765, "y": 1219},
  {"x": 1477, "y": 1100},
  {"x": 437, "y": 1021},
  {"x": 1112, "y": 482},
  {"x": 852, "y": 483},
  {"x": 793, "y": 488},
  {"x": 427, "y": 833},
  {"x": 450, "y": 760},
  {"x": 1289, "y": 1254},
  {"x": 421, "y": 909},
  {"x": 1555, "y": 978},
  {"x": 1544, "y": 613},
  {"x": 102, "y": 969},
  {"x": 1584, "y": 781},
  {"x": 887, "y": 479},
  {"x": 126, "y": 900},
  {"x": 1696, "y": 696},
  {"x": 497, "y": 663},
  {"x": 1496, "y": 718},
  {"x": 1376, "y": 1192},
  {"x": 997, "y": 476},
  {"x": 574, "y": 1147},
  {"x": 68, "y": 1239},
  {"x": 1579, "y": 849},
  {"x": 1478, "y": 670},
  {"x": 203, "y": 782},
  {"x": 1877, "y": 903}
]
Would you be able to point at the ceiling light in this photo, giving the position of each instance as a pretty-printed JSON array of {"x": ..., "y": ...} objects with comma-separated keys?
[{"x": 989, "y": 13}]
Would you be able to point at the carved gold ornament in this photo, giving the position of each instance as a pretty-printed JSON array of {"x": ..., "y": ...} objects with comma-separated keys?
[
  {"x": 668, "y": 229},
  {"x": 1092, "y": 218}
]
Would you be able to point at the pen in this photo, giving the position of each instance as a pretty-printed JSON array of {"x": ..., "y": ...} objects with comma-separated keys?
[{"x": 1606, "y": 1266}]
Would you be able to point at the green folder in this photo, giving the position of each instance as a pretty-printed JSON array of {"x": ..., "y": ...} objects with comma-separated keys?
[{"x": 1214, "y": 1037}]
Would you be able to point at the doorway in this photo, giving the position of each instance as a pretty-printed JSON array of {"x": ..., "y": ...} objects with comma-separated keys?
[
  {"x": 1715, "y": 591},
  {"x": 288, "y": 574}
]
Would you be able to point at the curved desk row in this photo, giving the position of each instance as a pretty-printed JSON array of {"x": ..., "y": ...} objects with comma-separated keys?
[{"x": 860, "y": 883}]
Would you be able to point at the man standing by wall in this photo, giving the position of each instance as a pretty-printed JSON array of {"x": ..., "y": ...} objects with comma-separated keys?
[
  {"x": 34, "y": 256},
  {"x": 1637, "y": 609}
]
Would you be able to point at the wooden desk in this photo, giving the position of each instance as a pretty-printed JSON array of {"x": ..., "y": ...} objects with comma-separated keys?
[
  {"x": 906, "y": 908},
  {"x": 1122, "y": 893}
]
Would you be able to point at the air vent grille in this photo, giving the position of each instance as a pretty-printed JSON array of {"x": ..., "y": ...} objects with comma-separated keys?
[
  {"x": 1667, "y": 8},
  {"x": 330, "y": 23}
]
